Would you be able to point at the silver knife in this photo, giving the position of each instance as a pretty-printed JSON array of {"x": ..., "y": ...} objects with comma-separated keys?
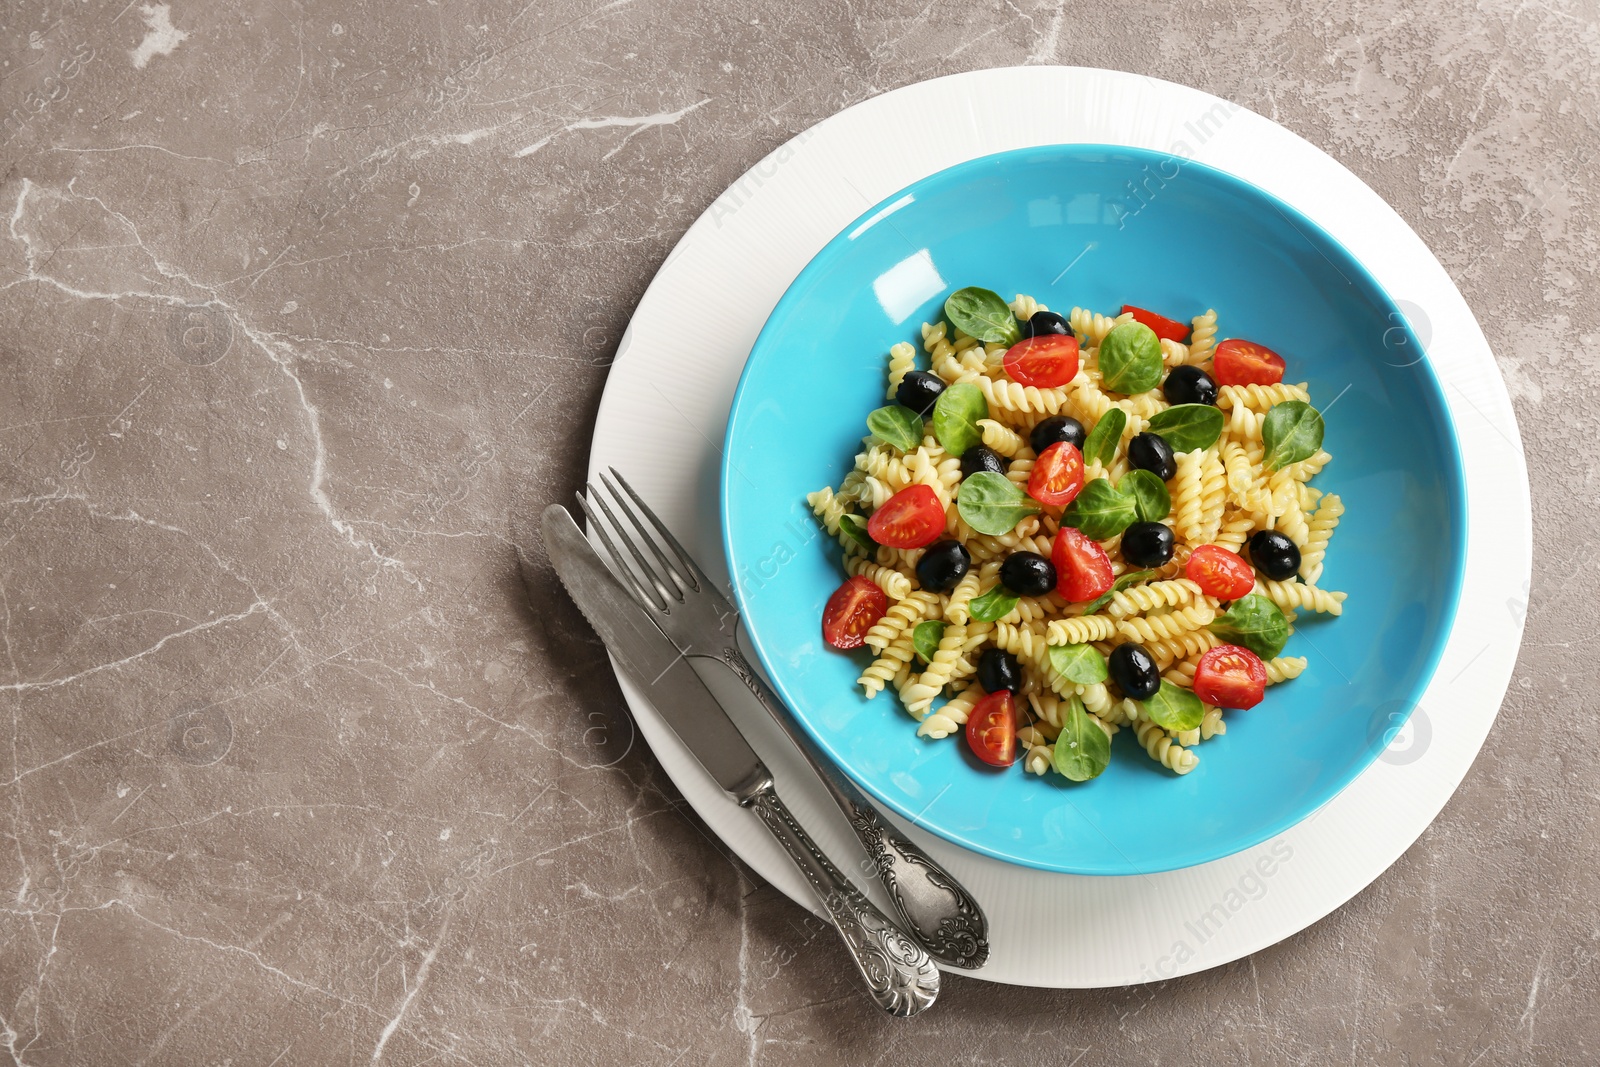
[{"x": 900, "y": 976}]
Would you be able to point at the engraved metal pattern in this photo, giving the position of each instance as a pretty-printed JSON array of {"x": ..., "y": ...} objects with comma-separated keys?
[
  {"x": 935, "y": 907},
  {"x": 741, "y": 666},
  {"x": 900, "y": 976}
]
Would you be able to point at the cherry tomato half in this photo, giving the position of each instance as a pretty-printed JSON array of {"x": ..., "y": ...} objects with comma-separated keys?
[
  {"x": 1044, "y": 362},
  {"x": 853, "y": 609},
  {"x": 1237, "y": 362},
  {"x": 1083, "y": 570},
  {"x": 992, "y": 729},
  {"x": 1057, "y": 475},
  {"x": 1165, "y": 328},
  {"x": 1220, "y": 573},
  {"x": 1230, "y": 677},
  {"x": 911, "y": 518}
]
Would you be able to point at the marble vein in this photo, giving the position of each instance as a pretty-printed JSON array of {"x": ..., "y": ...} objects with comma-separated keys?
[{"x": 636, "y": 124}]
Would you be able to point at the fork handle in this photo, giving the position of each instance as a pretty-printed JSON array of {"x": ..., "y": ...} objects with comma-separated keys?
[
  {"x": 900, "y": 977},
  {"x": 936, "y": 909}
]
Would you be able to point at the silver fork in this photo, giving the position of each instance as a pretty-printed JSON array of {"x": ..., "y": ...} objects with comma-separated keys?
[{"x": 702, "y": 623}]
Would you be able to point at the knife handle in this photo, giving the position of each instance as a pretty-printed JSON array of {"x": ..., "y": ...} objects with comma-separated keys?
[
  {"x": 900, "y": 976},
  {"x": 937, "y": 910}
]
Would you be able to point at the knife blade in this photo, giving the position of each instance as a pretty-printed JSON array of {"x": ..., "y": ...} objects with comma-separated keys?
[{"x": 674, "y": 688}]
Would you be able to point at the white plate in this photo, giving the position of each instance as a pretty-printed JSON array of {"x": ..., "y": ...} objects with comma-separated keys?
[{"x": 665, "y": 407}]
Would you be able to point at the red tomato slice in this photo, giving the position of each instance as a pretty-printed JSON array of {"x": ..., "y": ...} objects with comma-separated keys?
[
  {"x": 853, "y": 609},
  {"x": 1239, "y": 362},
  {"x": 1230, "y": 677},
  {"x": 1165, "y": 328},
  {"x": 1057, "y": 475},
  {"x": 911, "y": 518},
  {"x": 1044, "y": 362},
  {"x": 1083, "y": 570},
  {"x": 1220, "y": 573},
  {"x": 992, "y": 729}
]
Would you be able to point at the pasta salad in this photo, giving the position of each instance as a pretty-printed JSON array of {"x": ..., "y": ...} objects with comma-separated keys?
[{"x": 1067, "y": 526}]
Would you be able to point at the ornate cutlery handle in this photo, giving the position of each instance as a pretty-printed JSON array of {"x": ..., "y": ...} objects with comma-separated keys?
[
  {"x": 901, "y": 978},
  {"x": 936, "y": 908}
]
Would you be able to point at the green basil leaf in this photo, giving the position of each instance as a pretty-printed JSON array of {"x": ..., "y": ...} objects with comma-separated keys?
[
  {"x": 1099, "y": 511},
  {"x": 992, "y": 606},
  {"x": 1130, "y": 358},
  {"x": 955, "y": 417},
  {"x": 1082, "y": 749},
  {"x": 856, "y": 530},
  {"x": 925, "y": 638},
  {"x": 1151, "y": 501},
  {"x": 1079, "y": 663},
  {"x": 1292, "y": 431},
  {"x": 1188, "y": 427},
  {"x": 1131, "y": 578},
  {"x": 1174, "y": 708},
  {"x": 896, "y": 425},
  {"x": 1255, "y": 622},
  {"x": 993, "y": 504},
  {"x": 1101, "y": 444},
  {"x": 981, "y": 313}
]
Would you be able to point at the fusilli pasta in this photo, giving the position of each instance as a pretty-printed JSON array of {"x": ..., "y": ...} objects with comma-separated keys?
[
  {"x": 950, "y": 716},
  {"x": 1203, "y": 337},
  {"x": 902, "y": 361},
  {"x": 1281, "y": 669},
  {"x": 1093, "y": 327},
  {"x": 1152, "y": 628},
  {"x": 1291, "y": 594},
  {"x": 1318, "y": 532},
  {"x": 1260, "y": 397},
  {"x": 1221, "y": 493},
  {"x": 901, "y": 616},
  {"x": 894, "y": 584},
  {"x": 1000, "y": 437},
  {"x": 1188, "y": 494},
  {"x": 1080, "y": 631},
  {"x": 1163, "y": 749},
  {"x": 1150, "y": 597},
  {"x": 895, "y": 658},
  {"x": 1024, "y": 307}
]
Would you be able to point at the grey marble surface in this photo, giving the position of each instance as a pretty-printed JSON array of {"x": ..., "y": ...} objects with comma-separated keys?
[{"x": 292, "y": 774}]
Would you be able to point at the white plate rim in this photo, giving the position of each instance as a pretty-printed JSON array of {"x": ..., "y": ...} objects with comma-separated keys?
[{"x": 672, "y": 380}]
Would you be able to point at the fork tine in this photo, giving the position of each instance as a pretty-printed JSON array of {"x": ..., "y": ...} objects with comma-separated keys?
[
  {"x": 643, "y": 596},
  {"x": 697, "y": 575},
  {"x": 682, "y": 582},
  {"x": 647, "y": 596},
  {"x": 650, "y": 574}
]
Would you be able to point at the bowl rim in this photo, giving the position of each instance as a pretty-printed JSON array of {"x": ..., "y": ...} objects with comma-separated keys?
[{"x": 1431, "y": 390}]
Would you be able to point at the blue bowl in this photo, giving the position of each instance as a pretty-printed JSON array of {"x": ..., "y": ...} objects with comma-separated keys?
[{"x": 1098, "y": 226}]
